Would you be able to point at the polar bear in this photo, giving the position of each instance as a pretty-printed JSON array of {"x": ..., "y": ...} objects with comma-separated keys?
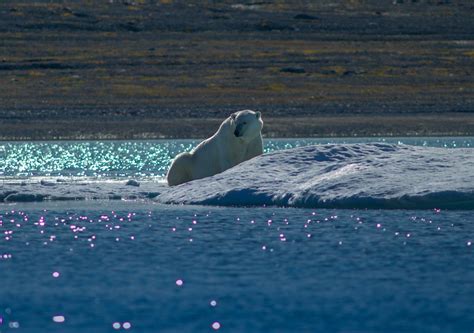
[{"x": 238, "y": 139}]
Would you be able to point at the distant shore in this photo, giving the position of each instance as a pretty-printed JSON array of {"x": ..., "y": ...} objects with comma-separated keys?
[
  {"x": 192, "y": 128},
  {"x": 170, "y": 69}
]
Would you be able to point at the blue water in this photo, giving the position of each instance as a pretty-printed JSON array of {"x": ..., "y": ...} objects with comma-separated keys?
[
  {"x": 139, "y": 266},
  {"x": 267, "y": 269}
]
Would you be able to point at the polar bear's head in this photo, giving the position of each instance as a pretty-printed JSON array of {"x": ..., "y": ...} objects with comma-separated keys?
[{"x": 246, "y": 124}]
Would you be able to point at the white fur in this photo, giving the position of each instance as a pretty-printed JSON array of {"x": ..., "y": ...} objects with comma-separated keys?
[{"x": 239, "y": 138}]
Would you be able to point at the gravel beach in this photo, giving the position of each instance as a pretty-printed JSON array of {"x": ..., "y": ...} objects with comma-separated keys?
[{"x": 176, "y": 69}]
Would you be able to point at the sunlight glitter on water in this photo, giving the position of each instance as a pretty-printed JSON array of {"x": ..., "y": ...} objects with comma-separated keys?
[
  {"x": 227, "y": 250},
  {"x": 59, "y": 319},
  {"x": 143, "y": 159}
]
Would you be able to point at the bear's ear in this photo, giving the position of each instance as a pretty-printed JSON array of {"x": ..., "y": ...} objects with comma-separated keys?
[
  {"x": 258, "y": 114},
  {"x": 232, "y": 118}
]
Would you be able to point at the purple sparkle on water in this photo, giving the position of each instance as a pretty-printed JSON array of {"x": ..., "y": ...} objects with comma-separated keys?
[{"x": 59, "y": 319}]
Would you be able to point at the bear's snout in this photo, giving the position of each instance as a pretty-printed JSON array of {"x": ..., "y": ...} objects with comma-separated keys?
[{"x": 238, "y": 130}]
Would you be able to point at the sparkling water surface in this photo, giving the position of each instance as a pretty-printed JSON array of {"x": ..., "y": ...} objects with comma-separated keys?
[
  {"x": 138, "y": 266},
  {"x": 104, "y": 267},
  {"x": 144, "y": 159}
]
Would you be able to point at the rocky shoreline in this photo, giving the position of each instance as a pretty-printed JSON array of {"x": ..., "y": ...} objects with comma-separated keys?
[{"x": 167, "y": 69}]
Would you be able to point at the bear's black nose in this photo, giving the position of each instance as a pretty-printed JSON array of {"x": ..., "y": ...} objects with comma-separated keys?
[{"x": 238, "y": 130}]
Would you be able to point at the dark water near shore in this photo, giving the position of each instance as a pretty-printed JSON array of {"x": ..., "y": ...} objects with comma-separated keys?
[{"x": 103, "y": 267}]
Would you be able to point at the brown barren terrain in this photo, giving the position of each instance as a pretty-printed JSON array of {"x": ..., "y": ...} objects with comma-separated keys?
[{"x": 157, "y": 69}]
